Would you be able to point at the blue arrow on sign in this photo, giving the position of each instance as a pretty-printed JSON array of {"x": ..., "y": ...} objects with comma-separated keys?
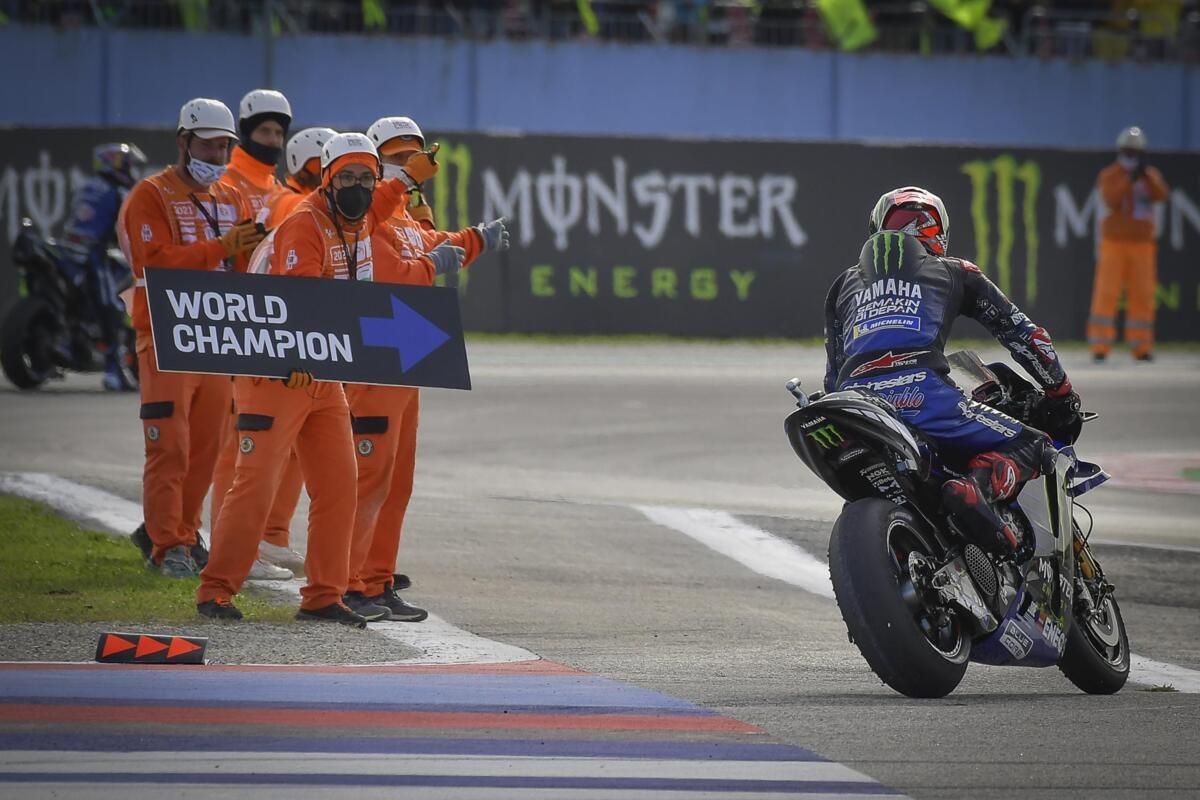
[{"x": 411, "y": 335}]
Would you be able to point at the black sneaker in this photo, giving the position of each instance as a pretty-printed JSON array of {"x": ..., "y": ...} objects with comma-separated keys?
[
  {"x": 200, "y": 552},
  {"x": 1099, "y": 358},
  {"x": 371, "y": 612},
  {"x": 400, "y": 582},
  {"x": 221, "y": 608},
  {"x": 400, "y": 610},
  {"x": 1145, "y": 358},
  {"x": 334, "y": 612},
  {"x": 141, "y": 539}
]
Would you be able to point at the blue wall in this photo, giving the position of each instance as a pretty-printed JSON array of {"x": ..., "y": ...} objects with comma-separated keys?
[{"x": 90, "y": 77}]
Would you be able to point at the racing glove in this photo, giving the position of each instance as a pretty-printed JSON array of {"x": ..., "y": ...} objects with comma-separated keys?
[
  {"x": 494, "y": 234},
  {"x": 242, "y": 237},
  {"x": 1059, "y": 414},
  {"x": 297, "y": 379},
  {"x": 446, "y": 258},
  {"x": 420, "y": 168}
]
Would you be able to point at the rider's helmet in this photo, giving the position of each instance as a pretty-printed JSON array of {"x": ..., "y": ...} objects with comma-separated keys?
[
  {"x": 118, "y": 161},
  {"x": 914, "y": 211}
]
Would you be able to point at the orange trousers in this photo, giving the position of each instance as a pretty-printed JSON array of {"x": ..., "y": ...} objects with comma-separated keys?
[
  {"x": 279, "y": 521},
  {"x": 384, "y": 421},
  {"x": 182, "y": 414},
  {"x": 1130, "y": 266},
  {"x": 273, "y": 421}
]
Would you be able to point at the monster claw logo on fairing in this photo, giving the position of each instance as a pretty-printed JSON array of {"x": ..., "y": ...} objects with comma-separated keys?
[{"x": 888, "y": 361}]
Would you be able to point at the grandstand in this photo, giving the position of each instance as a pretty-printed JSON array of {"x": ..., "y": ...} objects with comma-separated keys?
[{"x": 1144, "y": 30}]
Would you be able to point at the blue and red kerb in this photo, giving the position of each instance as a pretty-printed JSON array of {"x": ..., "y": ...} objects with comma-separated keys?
[{"x": 534, "y": 709}]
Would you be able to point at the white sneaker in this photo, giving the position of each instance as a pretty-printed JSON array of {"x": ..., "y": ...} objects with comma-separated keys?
[
  {"x": 281, "y": 556},
  {"x": 262, "y": 571}
]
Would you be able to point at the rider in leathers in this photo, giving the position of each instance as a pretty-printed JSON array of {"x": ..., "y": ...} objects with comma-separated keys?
[
  {"x": 89, "y": 232},
  {"x": 886, "y": 323}
]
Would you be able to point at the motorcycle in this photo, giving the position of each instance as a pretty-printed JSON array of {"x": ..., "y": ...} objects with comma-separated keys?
[
  {"x": 920, "y": 601},
  {"x": 55, "y": 326}
]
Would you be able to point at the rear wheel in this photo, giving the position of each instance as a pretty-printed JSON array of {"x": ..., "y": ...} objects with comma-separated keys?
[
  {"x": 918, "y": 648},
  {"x": 26, "y": 343}
]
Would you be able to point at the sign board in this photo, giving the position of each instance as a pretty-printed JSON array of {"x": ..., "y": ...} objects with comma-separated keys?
[
  {"x": 230, "y": 323},
  {"x": 716, "y": 238}
]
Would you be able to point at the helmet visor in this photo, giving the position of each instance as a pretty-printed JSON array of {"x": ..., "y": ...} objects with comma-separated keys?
[{"x": 920, "y": 221}]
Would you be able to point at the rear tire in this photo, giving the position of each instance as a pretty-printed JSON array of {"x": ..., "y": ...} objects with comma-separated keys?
[
  {"x": 25, "y": 340},
  {"x": 868, "y": 564},
  {"x": 1096, "y": 658}
]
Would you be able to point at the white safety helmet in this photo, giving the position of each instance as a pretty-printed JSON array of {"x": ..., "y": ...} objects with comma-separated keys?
[
  {"x": 207, "y": 119},
  {"x": 305, "y": 146},
  {"x": 264, "y": 101},
  {"x": 1131, "y": 139},
  {"x": 345, "y": 144},
  {"x": 388, "y": 129},
  {"x": 260, "y": 105}
]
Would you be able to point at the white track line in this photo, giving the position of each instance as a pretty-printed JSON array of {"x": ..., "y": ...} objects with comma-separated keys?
[
  {"x": 762, "y": 552},
  {"x": 776, "y": 557},
  {"x": 438, "y": 640}
]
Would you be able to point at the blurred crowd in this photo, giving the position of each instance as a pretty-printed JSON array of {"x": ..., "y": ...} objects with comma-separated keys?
[{"x": 1111, "y": 29}]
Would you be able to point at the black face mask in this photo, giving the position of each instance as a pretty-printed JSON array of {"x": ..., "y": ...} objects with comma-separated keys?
[
  {"x": 353, "y": 201},
  {"x": 264, "y": 153}
]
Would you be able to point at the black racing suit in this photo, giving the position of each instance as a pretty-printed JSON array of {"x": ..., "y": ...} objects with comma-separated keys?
[{"x": 886, "y": 323}]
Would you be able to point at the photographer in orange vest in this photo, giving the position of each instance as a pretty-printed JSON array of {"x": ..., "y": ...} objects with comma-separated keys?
[
  {"x": 183, "y": 218},
  {"x": 329, "y": 235},
  {"x": 1128, "y": 253}
]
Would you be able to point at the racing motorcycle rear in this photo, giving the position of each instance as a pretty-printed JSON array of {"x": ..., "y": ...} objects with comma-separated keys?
[
  {"x": 55, "y": 326},
  {"x": 919, "y": 599}
]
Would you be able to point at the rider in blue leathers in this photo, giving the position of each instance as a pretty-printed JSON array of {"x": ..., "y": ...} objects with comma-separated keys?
[
  {"x": 89, "y": 232},
  {"x": 886, "y": 323}
]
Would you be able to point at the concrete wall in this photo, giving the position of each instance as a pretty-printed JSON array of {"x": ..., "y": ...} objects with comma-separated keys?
[{"x": 131, "y": 78}]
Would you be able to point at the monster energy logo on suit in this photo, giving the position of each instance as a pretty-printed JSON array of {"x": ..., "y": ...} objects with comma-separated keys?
[
  {"x": 266, "y": 325},
  {"x": 891, "y": 242}
]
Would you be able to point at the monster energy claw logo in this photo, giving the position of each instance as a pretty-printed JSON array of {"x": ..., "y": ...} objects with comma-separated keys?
[
  {"x": 827, "y": 436},
  {"x": 891, "y": 241},
  {"x": 1006, "y": 172}
]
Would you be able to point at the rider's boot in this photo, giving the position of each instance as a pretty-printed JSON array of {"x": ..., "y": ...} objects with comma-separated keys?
[
  {"x": 993, "y": 478},
  {"x": 117, "y": 377}
]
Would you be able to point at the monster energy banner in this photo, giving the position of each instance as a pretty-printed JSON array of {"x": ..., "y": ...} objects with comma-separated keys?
[{"x": 716, "y": 238}]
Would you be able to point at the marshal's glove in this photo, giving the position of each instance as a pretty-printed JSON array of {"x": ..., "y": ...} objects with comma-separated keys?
[
  {"x": 297, "y": 379},
  {"x": 494, "y": 234},
  {"x": 1059, "y": 414},
  {"x": 420, "y": 167},
  {"x": 447, "y": 259},
  {"x": 242, "y": 237}
]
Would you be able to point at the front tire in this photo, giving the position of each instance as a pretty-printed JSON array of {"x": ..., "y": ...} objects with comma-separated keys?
[
  {"x": 25, "y": 342},
  {"x": 1096, "y": 658},
  {"x": 917, "y": 649}
]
